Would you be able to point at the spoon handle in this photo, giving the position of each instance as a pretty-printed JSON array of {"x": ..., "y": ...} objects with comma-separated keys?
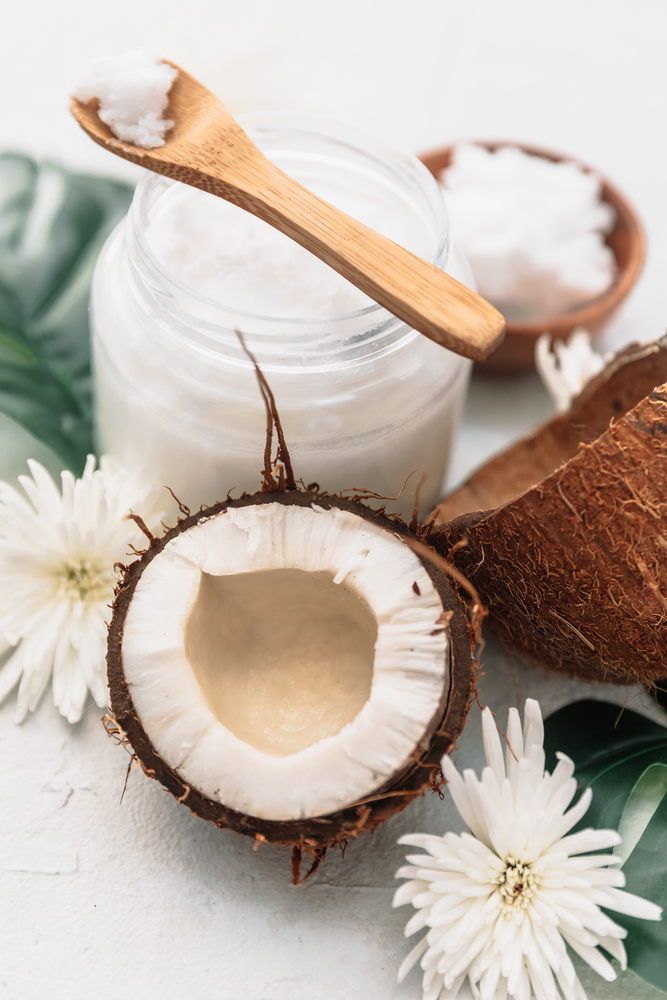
[
  {"x": 209, "y": 150},
  {"x": 419, "y": 293}
]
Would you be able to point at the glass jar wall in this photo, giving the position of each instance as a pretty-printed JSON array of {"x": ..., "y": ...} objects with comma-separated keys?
[{"x": 363, "y": 399}]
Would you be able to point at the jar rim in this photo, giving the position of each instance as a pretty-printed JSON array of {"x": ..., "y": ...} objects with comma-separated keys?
[{"x": 367, "y": 144}]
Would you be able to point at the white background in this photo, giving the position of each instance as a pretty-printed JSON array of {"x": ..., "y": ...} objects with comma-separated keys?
[{"x": 143, "y": 900}]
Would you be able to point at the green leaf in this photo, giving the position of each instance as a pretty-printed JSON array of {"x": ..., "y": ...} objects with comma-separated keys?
[
  {"x": 622, "y": 756},
  {"x": 52, "y": 226},
  {"x": 646, "y": 874},
  {"x": 644, "y": 799}
]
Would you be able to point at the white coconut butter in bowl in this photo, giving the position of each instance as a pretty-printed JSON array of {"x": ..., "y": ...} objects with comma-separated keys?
[{"x": 553, "y": 244}]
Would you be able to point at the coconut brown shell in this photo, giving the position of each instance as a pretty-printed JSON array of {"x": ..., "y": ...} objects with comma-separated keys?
[
  {"x": 574, "y": 569},
  {"x": 311, "y": 835},
  {"x": 625, "y": 381}
]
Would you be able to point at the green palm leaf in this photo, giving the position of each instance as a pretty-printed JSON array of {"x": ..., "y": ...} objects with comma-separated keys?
[
  {"x": 52, "y": 226},
  {"x": 622, "y": 756}
]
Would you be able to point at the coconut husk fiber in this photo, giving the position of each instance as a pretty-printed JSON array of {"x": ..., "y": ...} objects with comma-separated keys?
[{"x": 570, "y": 552}]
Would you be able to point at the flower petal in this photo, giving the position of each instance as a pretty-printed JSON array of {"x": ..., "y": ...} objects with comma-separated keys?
[
  {"x": 492, "y": 747},
  {"x": 411, "y": 959},
  {"x": 633, "y": 906}
]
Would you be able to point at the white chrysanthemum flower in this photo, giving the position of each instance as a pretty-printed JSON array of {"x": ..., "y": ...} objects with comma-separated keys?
[
  {"x": 502, "y": 901},
  {"x": 57, "y": 576}
]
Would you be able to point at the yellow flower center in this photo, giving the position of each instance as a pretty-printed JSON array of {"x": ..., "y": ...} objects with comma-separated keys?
[
  {"x": 518, "y": 885},
  {"x": 82, "y": 580}
]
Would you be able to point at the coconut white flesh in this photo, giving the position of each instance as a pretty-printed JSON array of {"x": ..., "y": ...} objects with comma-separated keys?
[
  {"x": 282, "y": 661},
  {"x": 284, "y": 657}
]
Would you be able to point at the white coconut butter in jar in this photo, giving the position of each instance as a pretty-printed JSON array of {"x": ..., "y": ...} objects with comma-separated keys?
[{"x": 363, "y": 399}]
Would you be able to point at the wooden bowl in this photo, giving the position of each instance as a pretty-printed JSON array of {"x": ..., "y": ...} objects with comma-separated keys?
[{"x": 627, "y": 242}]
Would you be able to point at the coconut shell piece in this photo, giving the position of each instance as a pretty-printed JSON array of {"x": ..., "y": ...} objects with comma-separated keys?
[
  {"x": 574, "y": 569},
  {"x": 627, "y": 379},
  {"x": 312, "y": 836}
]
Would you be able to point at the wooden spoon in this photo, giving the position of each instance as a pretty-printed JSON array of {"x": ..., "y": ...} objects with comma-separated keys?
[{"x": 208, "y": 150}]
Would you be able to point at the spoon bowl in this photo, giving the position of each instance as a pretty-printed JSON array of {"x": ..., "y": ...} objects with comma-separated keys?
[{"x": 207, "y": 149}]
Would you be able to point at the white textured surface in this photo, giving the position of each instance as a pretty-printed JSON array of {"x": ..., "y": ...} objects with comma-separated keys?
[
  {"x": 143, "y": 900},
  {"x": 584, "y": 77},
  {"x": 146, "y": 900}
]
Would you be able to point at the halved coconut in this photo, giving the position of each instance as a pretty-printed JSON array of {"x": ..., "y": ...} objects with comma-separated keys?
[
  {"x": 573, "y": 569},
  {"x": 289, "y": 667}
]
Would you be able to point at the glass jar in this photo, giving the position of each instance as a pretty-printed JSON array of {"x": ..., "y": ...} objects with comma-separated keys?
[{"x": 364, "y": 400}]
